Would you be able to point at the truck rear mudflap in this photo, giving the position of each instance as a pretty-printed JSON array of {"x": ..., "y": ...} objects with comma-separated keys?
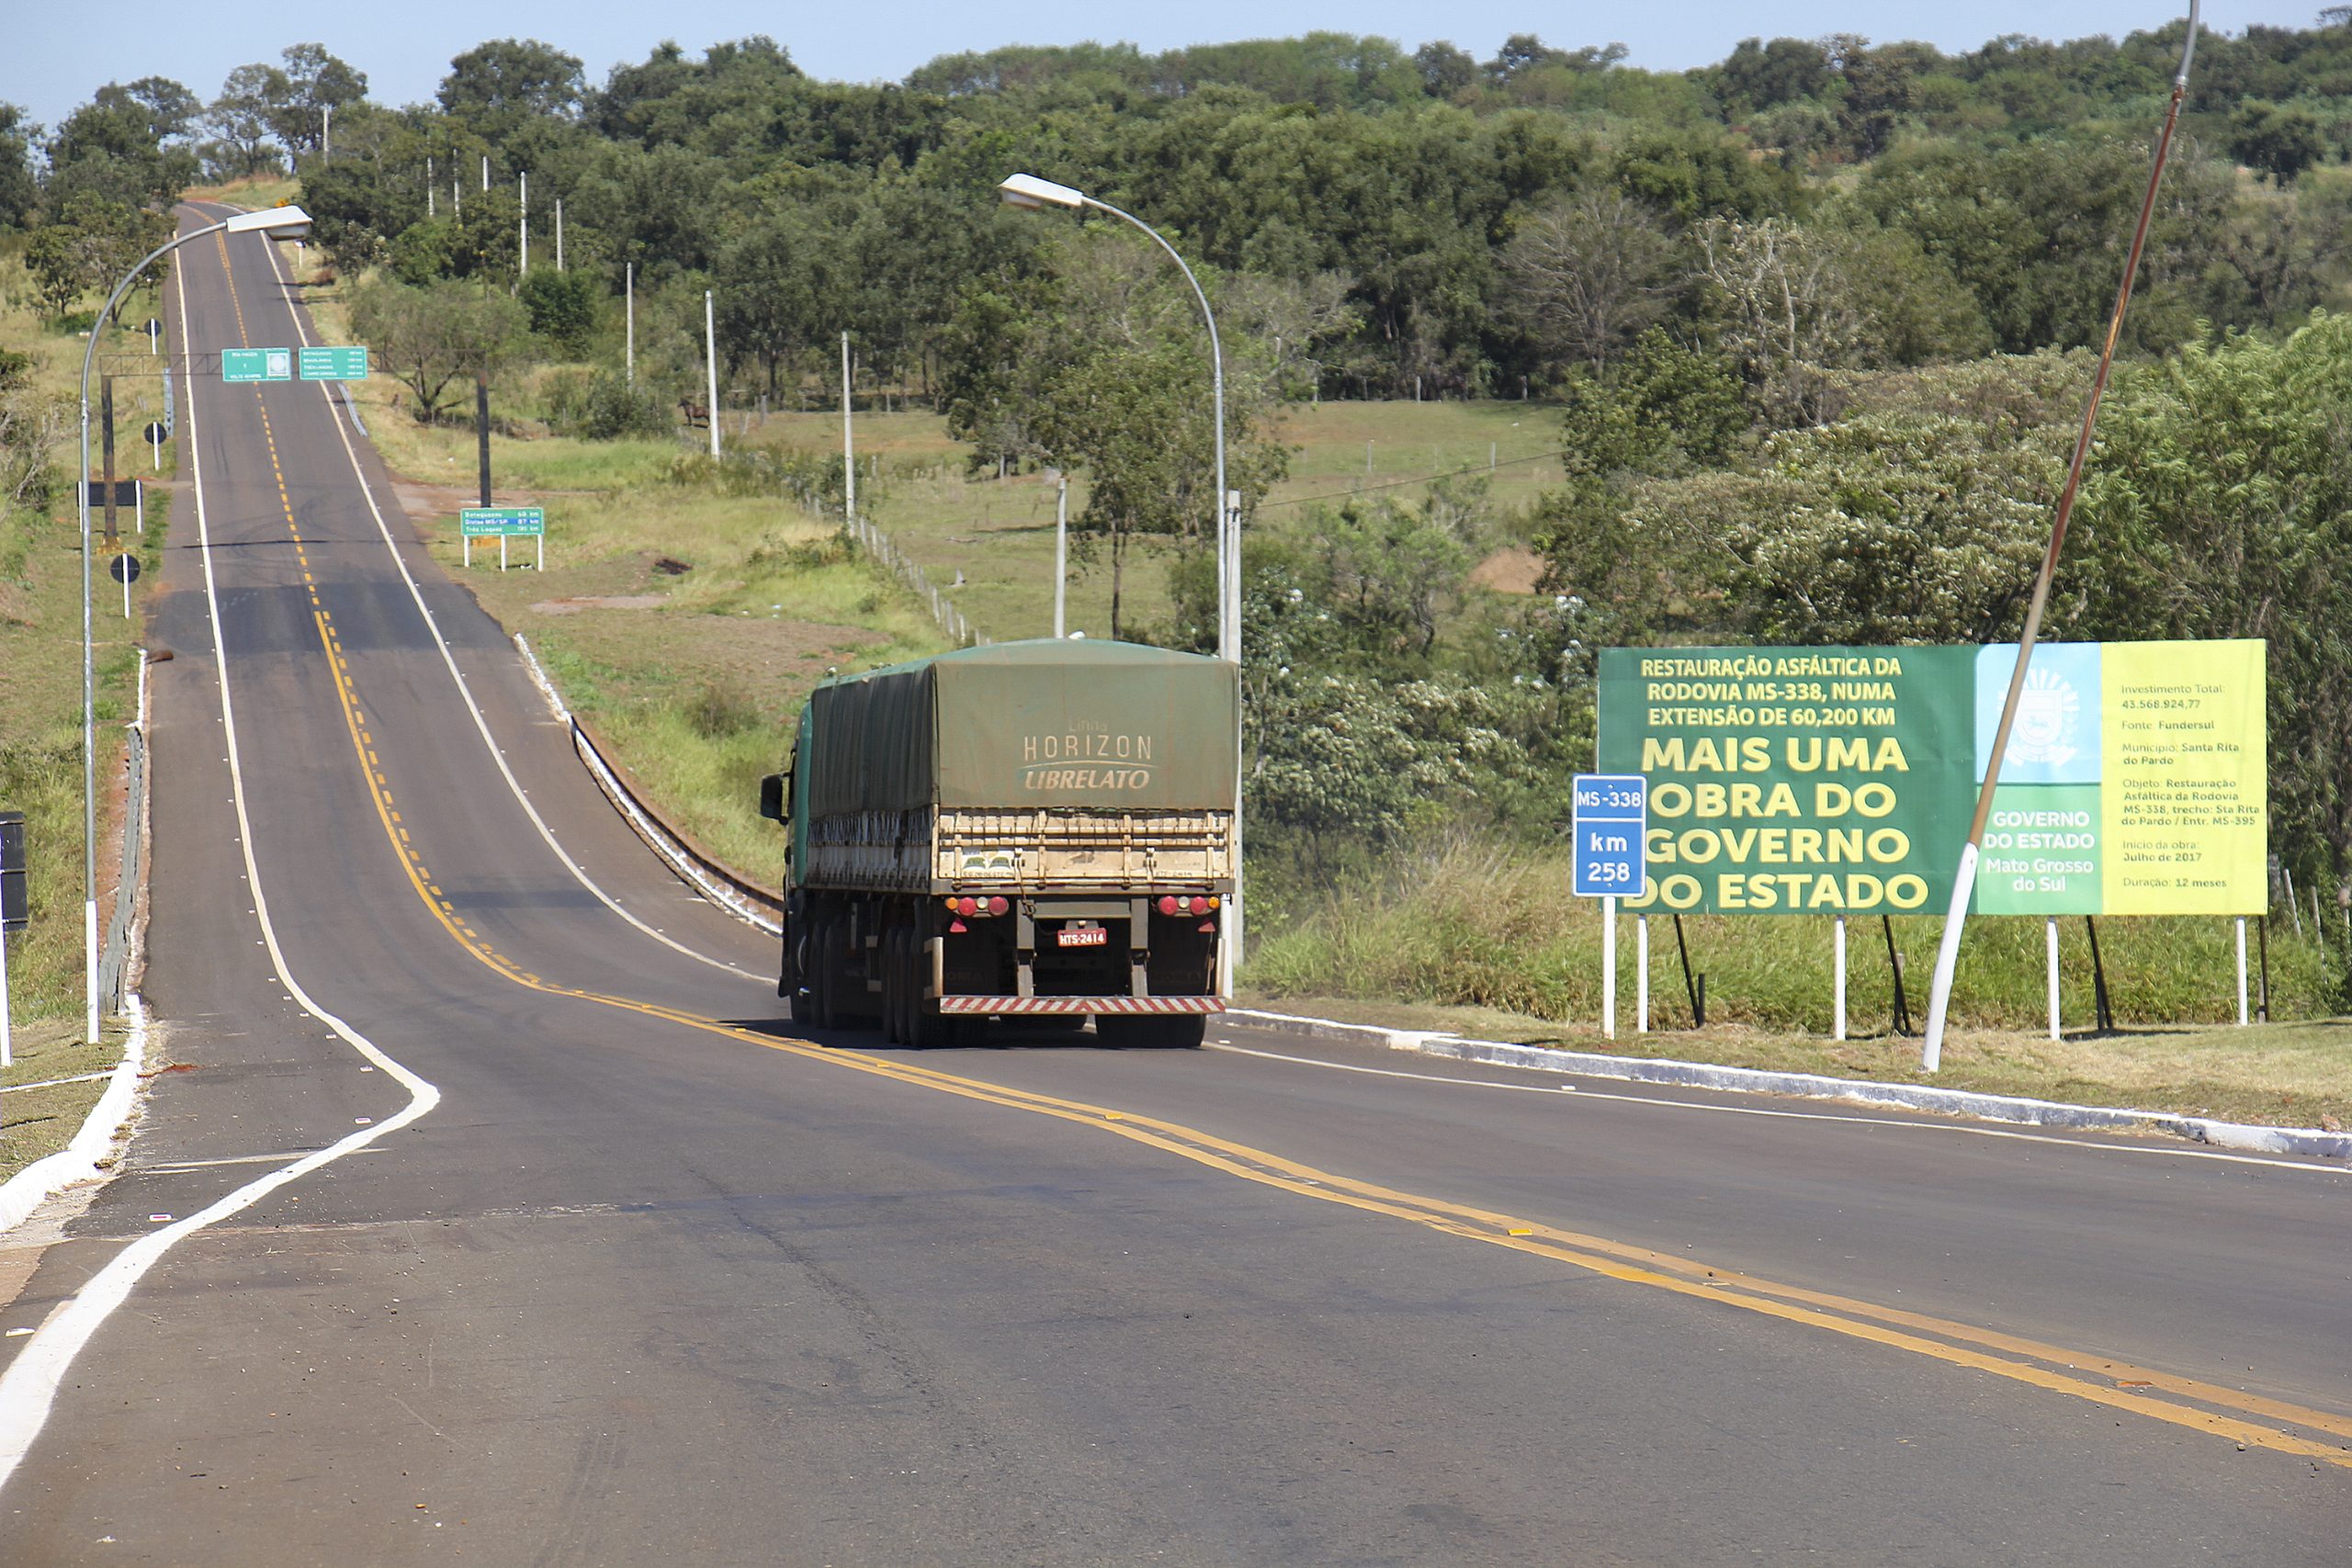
[{"x": 1066, "y": 1007}]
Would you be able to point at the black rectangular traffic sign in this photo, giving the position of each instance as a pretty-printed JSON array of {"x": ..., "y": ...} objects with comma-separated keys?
[{"x": 13, "y": 908}]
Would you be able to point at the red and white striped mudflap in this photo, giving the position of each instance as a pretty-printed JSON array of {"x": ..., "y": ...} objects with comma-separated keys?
[{"x": 1013, "y": 1007}]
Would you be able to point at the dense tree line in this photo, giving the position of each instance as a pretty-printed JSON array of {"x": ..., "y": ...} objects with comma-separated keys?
[{"x": 1462, "y": 201}]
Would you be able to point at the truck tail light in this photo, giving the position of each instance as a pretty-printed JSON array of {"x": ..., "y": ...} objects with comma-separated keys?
[
  {"x": 1169, "y": 904},
  {"x": 998, "y": 905},
  {"x": 1186, "y": 903}
]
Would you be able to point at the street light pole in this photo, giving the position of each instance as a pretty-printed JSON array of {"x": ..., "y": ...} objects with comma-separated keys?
[
  {"x": 1029, "y": 191},
  {"x": 279, "y": 222}
]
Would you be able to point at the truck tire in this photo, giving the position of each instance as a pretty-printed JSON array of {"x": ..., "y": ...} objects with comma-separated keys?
[
  {"x": 793, "y": 984},
  {"x": 927, "y": 1028},
  {"x": 894, "y": 986},
  {"x": 820, "y": 977}
]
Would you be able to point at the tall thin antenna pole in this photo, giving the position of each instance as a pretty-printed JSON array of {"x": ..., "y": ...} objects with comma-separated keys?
[
  {"x": 628, "y": 287},
  {"x": 1964, "y": 881}
]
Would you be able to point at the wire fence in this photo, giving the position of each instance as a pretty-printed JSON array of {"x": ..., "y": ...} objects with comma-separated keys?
[{"x": 879, "y": 544}]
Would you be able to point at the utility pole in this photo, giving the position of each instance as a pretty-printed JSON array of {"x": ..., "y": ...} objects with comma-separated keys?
[
  {"x": 848, "y": 453},
  {"x": 628, "y": 293},
  {"x": 481, "y": 428},
  {"x": 523, "y": 201},
  {"x": 710, "y": 361},
  {"x": 1061, "y": 554}
]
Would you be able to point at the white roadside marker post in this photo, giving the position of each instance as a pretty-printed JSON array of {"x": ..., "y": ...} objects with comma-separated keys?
[
  {"x": 2050, "y": 941},
  {"x": 1642, "y": 974},
  {"x": 1839, "y": 941},
  {"x": 2240, "y": 971}
]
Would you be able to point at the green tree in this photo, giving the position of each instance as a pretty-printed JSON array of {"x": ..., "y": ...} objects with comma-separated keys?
[
  {"x": 562, "y": 308},
  {"x": 432, "y": 336},
  {"x": 312, "y": 82},
  {"x": 240, "y": 119},
  {"x": 497, "y": 87},
  {"x": 89, "y": 245},
  {"x": 2280, "y": 142},
  {"x": 2221, "y": 506},
  {"x": 18, "y": 192},
  {"x": 1102, "y": 363}
]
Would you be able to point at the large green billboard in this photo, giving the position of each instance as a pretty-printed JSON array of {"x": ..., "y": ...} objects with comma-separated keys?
[{"x": 1841, "y": 780}]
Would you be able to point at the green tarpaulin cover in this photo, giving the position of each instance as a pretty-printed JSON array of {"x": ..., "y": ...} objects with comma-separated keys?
[{"x": 1020, "y": 724}]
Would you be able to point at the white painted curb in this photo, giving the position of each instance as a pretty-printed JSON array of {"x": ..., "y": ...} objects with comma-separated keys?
[
  {"x": 2307, "y": 1142},
  {"x": 107, "y": 1120}
]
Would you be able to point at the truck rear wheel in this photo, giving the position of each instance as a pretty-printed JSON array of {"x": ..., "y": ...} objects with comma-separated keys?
[
  {"x": 821, "y": 980},
  {"x": 927, "y": 1028},
  {"x": 895, "y": 1021},
  {"x": 792, "y": 985}
]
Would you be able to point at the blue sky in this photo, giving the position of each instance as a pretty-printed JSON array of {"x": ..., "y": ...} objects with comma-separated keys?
[{"x": 54, "y": 57}]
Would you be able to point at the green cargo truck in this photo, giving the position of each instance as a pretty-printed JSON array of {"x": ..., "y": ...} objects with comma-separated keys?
[{"x": 1027, "y": 830}]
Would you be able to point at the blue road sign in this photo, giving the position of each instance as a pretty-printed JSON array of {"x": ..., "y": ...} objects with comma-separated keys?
[{"x": 1609, "y": 819}]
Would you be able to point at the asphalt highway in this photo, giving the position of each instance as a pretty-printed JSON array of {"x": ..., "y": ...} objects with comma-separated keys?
[{"x": 493, "y": 1212}]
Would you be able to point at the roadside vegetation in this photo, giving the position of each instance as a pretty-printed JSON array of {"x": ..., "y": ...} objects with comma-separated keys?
[
  {"x": 41, "y": 710},
  {"x": 1526, "y": 357}
]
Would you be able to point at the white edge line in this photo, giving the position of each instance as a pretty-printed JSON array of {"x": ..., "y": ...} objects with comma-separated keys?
[
  {"x": 28, "y": 1387},
  {"x": 1927, "y": 1122},
  {"x": 481, "y": 725}
]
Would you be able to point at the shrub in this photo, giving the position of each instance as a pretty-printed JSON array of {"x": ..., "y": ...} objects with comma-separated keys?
[{"x": 604, "y": 407}]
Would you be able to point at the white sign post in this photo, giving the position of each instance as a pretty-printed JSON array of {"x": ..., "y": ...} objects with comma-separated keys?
[
  {"x": 1840, "y": 1030},
  {"x": 1641, "y": 973},
  {"x": 2049, "y": 943},
  {"x": 1609, "y": 819}
]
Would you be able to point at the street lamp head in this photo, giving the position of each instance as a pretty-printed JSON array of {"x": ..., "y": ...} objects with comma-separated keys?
[
  {"x": 277, "y": 222},
  {"x": 1029, "y": 191}
]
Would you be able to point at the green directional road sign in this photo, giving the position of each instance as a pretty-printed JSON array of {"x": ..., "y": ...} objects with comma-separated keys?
[
  {"x": 489, "y": 522},
  {"x": 335, "y": 362},
  {"x": 256, "y": 364}
]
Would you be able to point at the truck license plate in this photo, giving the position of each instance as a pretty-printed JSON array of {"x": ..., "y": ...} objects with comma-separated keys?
[{"x": 1085, "y": 936}]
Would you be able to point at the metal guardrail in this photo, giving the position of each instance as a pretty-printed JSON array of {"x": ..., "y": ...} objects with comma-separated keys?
[
  {"x": 115, "y": 953},
  {"x": 724, "y": 885},
  {"x": 721, "y": 884},
  {"x": 952, "y": 621}
]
